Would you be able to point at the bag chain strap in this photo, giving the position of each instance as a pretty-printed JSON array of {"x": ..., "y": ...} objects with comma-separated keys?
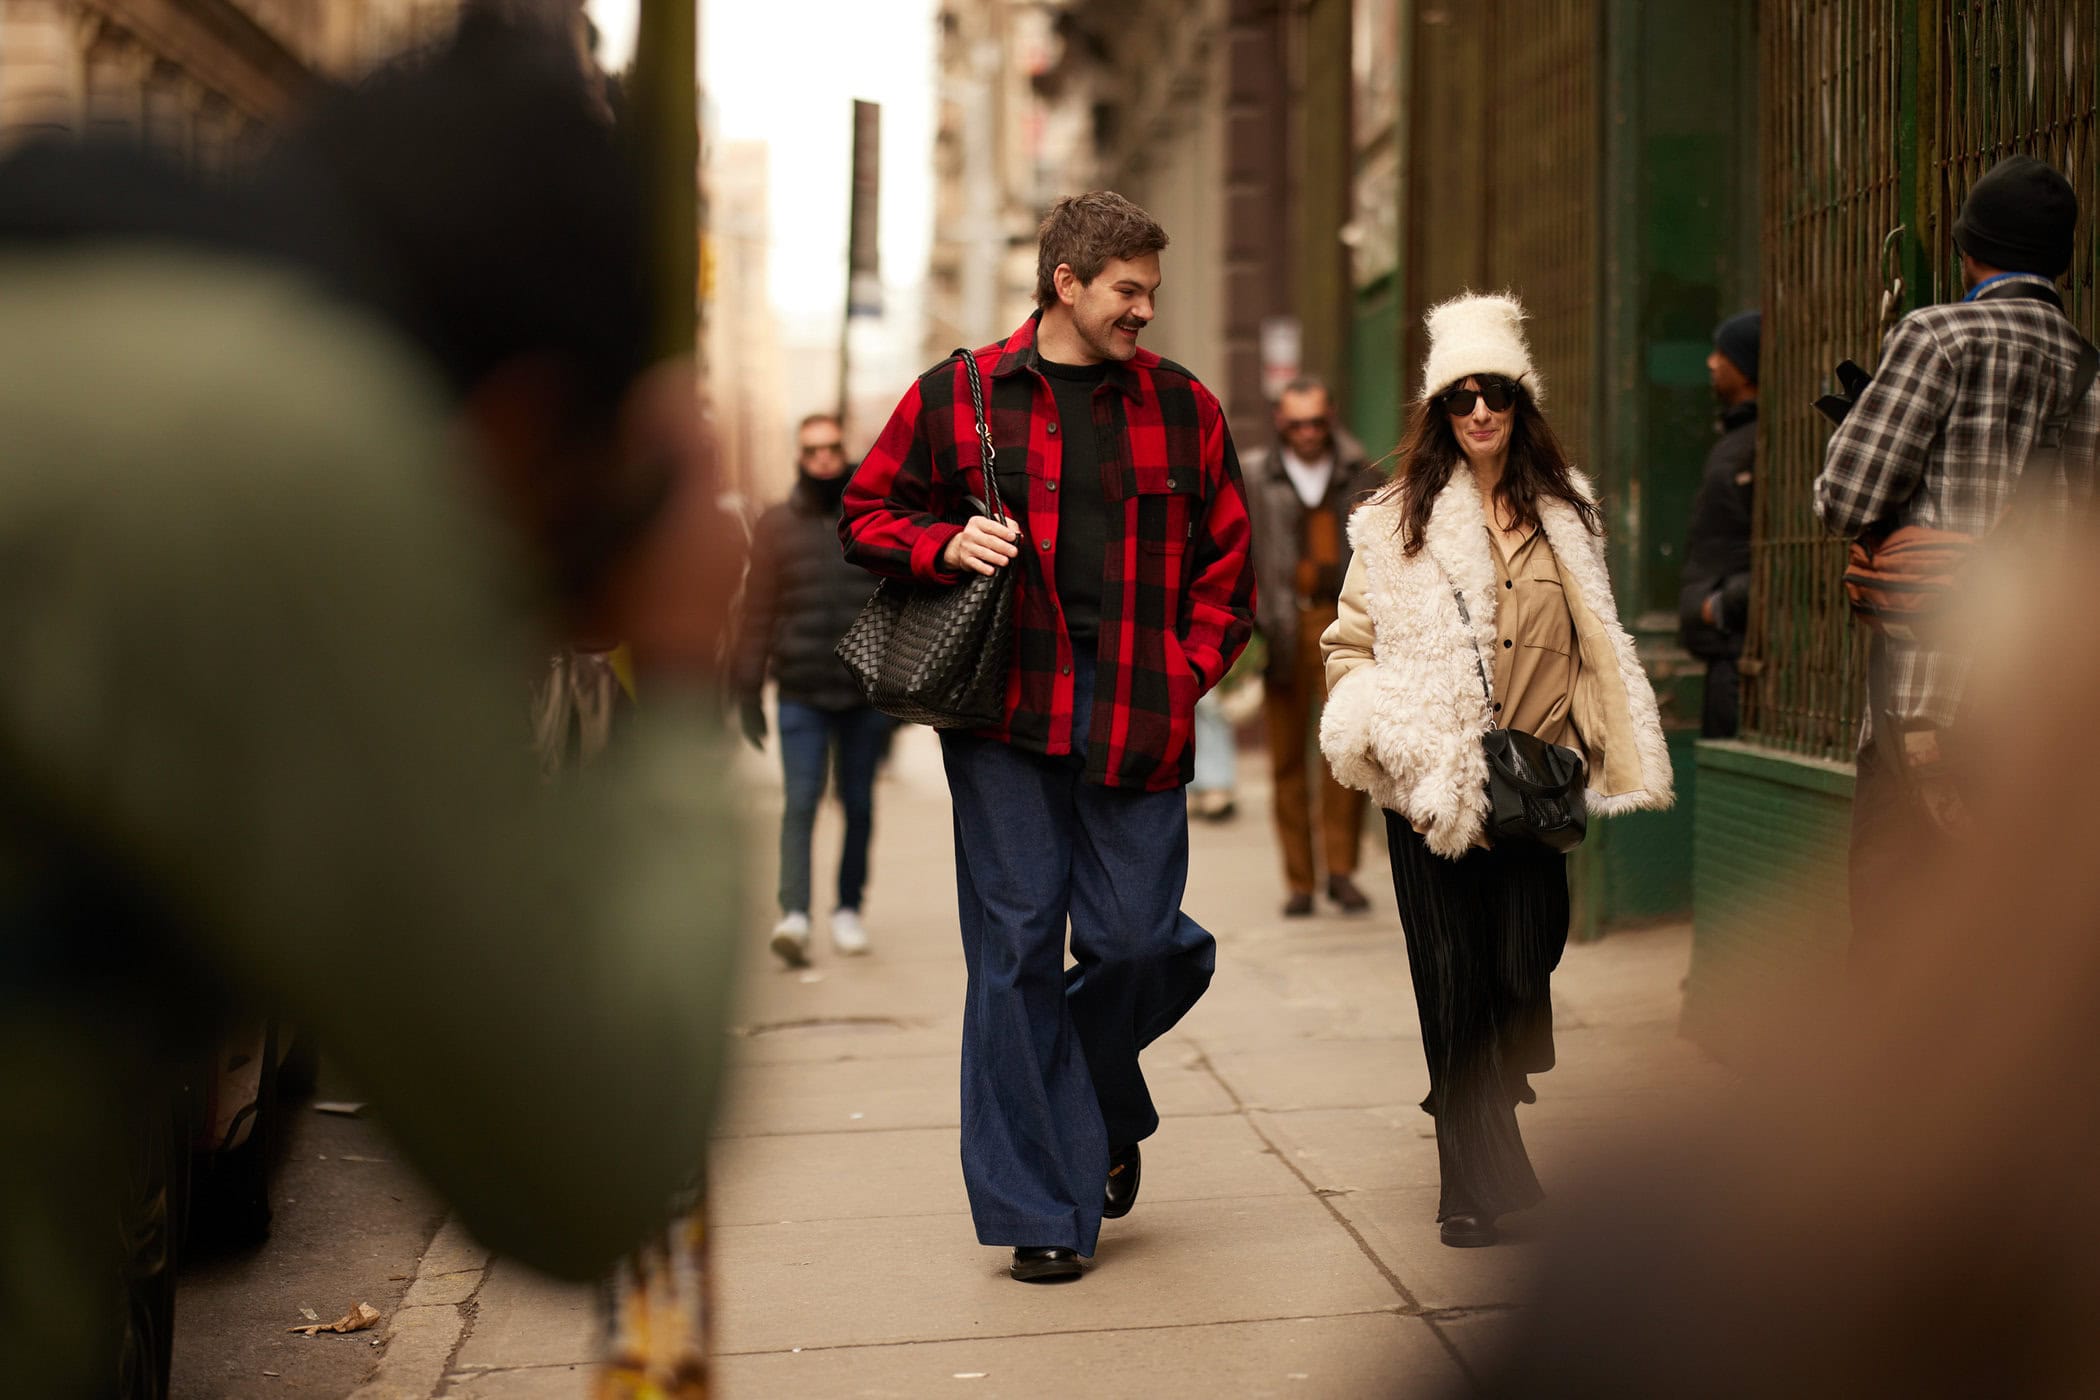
[{"x": 987, "y": 454}]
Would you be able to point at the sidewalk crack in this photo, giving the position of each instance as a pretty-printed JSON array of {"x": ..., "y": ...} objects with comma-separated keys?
[{"x": 1327, "y": 1198}]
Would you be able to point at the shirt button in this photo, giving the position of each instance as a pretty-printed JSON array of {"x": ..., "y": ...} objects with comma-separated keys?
[
  {"x": 1046, "y": 546},
  {"x": 1498, "y": 707},
  {"x": 1509, "y": 583},
  {"x": 1053, "y": 430},
  {"x": 1506, "y": 642},
  {"x": 1053, "y": 486},
  {"x": 1068, "y": 670}
]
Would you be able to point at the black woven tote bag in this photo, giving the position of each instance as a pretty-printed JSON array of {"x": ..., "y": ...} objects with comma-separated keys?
[{"x": 936, "y": 654}]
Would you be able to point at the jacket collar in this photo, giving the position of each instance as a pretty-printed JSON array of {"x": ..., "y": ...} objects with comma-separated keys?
[
  {"x": 1457, "y": 540},
  {"x": 1736, "y": 416},
  {"x": 1349, "y": 459},
  {"x": 1020, "y": 353},
  {"x": 2016, "y": 286}
]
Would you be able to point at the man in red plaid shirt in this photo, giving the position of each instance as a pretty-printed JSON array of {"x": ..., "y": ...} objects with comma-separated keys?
[{"x": 1134, "y": 595}]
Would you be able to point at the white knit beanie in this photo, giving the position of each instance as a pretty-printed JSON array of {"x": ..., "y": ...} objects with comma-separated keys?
[{"x": 1475, "y": 334}]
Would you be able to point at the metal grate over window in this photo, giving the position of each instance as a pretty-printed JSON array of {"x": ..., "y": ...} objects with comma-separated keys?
[
  {"x": 1875, "y": 115},
  {"x": 2016, "y": 78}
]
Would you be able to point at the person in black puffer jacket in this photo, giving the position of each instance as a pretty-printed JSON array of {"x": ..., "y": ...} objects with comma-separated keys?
[{"x": 799, "y": 599}]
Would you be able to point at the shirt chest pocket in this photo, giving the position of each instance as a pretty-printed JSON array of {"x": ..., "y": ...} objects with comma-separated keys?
[
  {"x": 1542, "y": 620},
  {"x": 1011, "y": 471},
  {"x": 1160, "y": 506}
]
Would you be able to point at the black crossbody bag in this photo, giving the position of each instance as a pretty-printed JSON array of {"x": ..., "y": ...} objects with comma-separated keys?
[
  {"x": 1536, "y": 790},
  {"x": 936, "y": 653}
]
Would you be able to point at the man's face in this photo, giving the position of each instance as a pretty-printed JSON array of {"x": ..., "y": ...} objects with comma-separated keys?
[
  {"x": 1304, "y": 419},
  {"x": 1729, "y": 384},
  {"x": 821, "y": 451},
  {"x": 1110, "y": 311}
]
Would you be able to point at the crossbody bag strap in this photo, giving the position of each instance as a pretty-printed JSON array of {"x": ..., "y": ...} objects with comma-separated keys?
[
  {"x": 987, "y": 455},
  {"x": 1486, "y": 690}
]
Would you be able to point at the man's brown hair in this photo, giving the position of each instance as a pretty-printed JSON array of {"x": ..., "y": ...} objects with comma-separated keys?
[{"x": 1086, "y": 231}]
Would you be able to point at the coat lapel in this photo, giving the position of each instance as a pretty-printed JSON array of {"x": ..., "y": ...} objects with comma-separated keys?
[{"x": 1457, "y": 540}]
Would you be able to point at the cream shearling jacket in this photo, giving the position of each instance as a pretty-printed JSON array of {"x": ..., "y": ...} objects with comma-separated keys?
[{"x": 1405, "y": 709}]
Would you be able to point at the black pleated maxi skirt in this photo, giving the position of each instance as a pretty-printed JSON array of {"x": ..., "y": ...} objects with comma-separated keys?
[{"x": 1484, "y": 934}]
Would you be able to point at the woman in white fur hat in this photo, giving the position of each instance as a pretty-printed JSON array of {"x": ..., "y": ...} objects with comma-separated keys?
[{"x": 1483, "y": 504}]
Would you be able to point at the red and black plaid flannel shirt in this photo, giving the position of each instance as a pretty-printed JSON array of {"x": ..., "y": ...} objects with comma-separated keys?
[{"x": 1177, "y": 602}]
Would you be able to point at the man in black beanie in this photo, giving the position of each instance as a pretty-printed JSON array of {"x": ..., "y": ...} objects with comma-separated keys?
[
  {"x": 1713, "y": 603},
  {"x": 1941, "y": 438}
]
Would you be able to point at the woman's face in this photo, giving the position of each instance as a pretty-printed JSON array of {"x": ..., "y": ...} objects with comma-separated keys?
[{"x": 1482, "y": 433}]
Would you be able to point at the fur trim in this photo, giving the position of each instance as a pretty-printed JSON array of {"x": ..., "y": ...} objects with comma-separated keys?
[
  {"x": 1346, "y": 735},
  {"x": 1580, "y": 556},
  {"x": 1475, "y": 334}
]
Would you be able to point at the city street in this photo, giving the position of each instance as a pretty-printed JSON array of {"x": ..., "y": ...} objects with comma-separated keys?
[{"x": 1283, "y": 1244}]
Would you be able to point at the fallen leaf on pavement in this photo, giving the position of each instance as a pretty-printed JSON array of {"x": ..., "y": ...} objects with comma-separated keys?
[{"x": 365, "y": 1316}]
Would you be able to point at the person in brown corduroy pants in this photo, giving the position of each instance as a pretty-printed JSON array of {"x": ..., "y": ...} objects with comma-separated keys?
[{"x": 1301, "y": 490}]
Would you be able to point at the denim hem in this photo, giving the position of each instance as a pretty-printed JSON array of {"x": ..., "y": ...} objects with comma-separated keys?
[{"x": 1073, "y": 1232}]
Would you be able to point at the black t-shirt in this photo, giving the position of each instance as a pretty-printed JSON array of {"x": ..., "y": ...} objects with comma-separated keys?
[{"x": 1083, "y": 505}]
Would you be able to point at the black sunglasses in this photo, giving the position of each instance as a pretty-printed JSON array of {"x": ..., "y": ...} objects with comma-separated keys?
[{"x": 1500, "y": 393}]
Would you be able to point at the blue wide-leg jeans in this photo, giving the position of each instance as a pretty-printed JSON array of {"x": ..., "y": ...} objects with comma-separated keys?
[{"x": 1050, "y": 1075}]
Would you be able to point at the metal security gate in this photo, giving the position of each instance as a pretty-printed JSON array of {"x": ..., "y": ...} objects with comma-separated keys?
[
  {"x": 1876, "y": 115},
  {"x": 1504, "y": 182}
]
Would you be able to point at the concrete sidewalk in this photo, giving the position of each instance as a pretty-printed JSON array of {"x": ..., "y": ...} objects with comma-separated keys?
[{"x": 1284, "y": 1243}]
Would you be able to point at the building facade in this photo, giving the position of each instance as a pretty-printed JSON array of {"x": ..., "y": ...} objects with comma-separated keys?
[
  {"x": 1014, "y": 132},
  {"x": 202, "y": 79}
]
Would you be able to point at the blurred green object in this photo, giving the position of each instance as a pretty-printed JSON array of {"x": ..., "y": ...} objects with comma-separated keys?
[{"x": 266, "y": 746}]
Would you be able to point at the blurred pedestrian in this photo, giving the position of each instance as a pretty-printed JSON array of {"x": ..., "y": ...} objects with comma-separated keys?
[
  {"x": 800, "y": 596},
  {"x": 1300, "y": 490},
  {"x": 266, "y": 745},
  {"x": 1214, "y": 790},
  {"x": 1713, "y": 605},
  {"x": 1135, "y": 593},
  {"x": 1488, "y": 542},
  {"x": 1966, "y": 398}
]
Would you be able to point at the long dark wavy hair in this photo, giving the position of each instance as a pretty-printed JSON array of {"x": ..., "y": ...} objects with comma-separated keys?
[{"x": 1428, "y": 453}]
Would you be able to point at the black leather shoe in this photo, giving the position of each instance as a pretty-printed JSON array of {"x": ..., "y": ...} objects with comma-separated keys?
[
  {"x": 1468, "y": 1231},
  {"x": 1040, "y": 1264},
  {"x": 1125, "y": 1166},
  {"x": 1343, "y": 891},
  {"x": 1298, "y": 906}
]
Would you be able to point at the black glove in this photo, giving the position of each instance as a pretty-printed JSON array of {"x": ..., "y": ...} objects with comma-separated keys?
[
  {"x": 1854, "y": 381},
  {"x": 752, "y": 712}
]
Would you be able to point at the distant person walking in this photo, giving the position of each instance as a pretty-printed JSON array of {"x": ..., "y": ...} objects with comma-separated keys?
[
  {"x": 799, "y": 598},
  {"x": 1134, "y": 595},
  {"x": 1300, "y": 490},
  {"x": 1486, "y": 520},
  {"x": 1941, "y": 438},
  {"x": 1713, "y": 606}
]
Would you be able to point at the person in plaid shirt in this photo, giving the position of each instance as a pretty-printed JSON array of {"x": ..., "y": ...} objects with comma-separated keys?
[
  {"x": 1134, "y": 596},
  {"x": 1939, "y": 438}
]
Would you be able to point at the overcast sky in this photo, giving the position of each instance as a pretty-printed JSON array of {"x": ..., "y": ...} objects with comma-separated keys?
[{"x": 786, "y": 72}]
